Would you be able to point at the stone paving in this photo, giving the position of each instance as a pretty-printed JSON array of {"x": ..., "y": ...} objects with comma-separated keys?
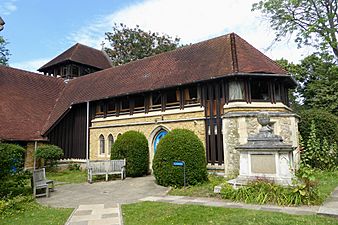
[
  {"x": 96, "y": 214},
  {"x": 330, "y": 206}
]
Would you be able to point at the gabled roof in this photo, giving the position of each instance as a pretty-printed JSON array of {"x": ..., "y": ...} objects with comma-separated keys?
[
  {"x": 80, "y": 54},
  {"x": 228, "y": 55},
  {"x": 26, "y": 101}
]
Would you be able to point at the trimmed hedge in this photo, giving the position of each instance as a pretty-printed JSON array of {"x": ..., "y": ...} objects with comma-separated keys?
[
  {"x": 180, "y": 144},
  {"x": 133, "y": 146},
  {"x": 50, "y": 154},
  {"x": 325, "y": 122}
]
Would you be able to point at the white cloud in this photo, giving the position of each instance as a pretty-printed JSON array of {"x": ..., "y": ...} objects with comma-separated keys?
[
  {"x": 8, "y": 7},
  {"x": 193, "y": 21},
  {"x": 31, "y": 65}
]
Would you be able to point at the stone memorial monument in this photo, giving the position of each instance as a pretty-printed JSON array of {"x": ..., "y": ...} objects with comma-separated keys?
[{"x": 265, "y": 157}]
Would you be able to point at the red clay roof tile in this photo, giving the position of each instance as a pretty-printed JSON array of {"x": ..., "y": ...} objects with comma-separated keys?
[
  {"x": 81, "y": 54},
  {"x": 26, "y": 100}
]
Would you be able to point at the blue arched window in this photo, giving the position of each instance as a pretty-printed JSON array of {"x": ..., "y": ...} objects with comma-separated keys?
[{"x": 158, "y": 137}]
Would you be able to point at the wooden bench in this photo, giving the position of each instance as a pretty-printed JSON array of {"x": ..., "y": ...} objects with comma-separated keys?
[
  {"x": 41, "y": 183},
  {"x": 106, "y": 167}
]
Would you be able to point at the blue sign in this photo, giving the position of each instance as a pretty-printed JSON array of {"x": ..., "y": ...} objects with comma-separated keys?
[{"x": 178, "y": 163}]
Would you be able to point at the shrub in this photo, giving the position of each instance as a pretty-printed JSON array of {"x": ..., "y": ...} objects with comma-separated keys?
[
  {"x": 326, "y": 125},
  {"x": 12, "y": 175},
  {"x": 50, "y": 154},
  {"x": 318, "y": 154},
  {"x": 180, "y": 144},
  {"x": 11, "y": 159},
  {"x": 133, "y": 146},
  {"x": 74, "y": 167}
]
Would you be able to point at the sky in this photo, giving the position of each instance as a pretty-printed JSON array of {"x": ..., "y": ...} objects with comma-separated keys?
[{"x": 39, "y": 30}]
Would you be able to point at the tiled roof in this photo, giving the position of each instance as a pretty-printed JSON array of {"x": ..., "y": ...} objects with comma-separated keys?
[
  {"x": 219, "y": 57},
  {"x": 26, "y": 100},
  {"x": 81, "y": 54}
]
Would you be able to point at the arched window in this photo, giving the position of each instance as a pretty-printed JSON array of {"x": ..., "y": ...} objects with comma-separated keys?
[
  {"x": 158, "y": 137},
  {"x": 101, "y": 138},
  {"x": 110, "y": 142}
]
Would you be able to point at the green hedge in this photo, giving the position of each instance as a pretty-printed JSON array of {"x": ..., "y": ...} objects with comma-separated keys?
[
  {"x": 180, "y": 144},
  {"x": 133, "y": 146},
  {"x": 49, "y": 153},
  {"x": 12, "y": 175}
]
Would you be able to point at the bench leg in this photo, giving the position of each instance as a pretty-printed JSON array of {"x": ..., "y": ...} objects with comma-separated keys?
[{"x": 106, "y": 176}]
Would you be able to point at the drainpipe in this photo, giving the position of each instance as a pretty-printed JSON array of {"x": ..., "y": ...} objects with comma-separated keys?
[
  {"x": 34, "y": 158},
  {"x": 87, "y": 135}
]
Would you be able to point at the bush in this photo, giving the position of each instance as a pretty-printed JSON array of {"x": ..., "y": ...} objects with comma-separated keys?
[
  {"x": 12, "y": 175},
  {"x": 304, "y": 192},
  {"x": 180, "y": 144},
  {"x": 74, "y": 167},
  {"x": 50, "y": 154},
  {"x": 132, "y": 146},
  {"x": 11, "y": 159},
  {"x": 326, "y": 125},
  {"x": 318, "y": 154}
]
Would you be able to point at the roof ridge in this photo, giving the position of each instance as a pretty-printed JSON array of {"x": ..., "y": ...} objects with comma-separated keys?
[
  {"x": 159, "y": 54},
  {"x": 43, "y": 130},
  {"x": 76, "y": 46},
  {"x": 266, "y": 57},
  {"x": 234, "y": 53}
]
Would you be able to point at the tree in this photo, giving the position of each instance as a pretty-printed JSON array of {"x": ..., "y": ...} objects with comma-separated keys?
[
  {"x": 315, "y": 22},
  {"x": 317, "y": 82},
  {"x": 129, "y": 44},
  {"x": 4, "y": 52}
]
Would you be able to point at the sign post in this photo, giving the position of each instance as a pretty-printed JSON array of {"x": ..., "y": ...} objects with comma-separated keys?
[{"x": 181, "y": 164}]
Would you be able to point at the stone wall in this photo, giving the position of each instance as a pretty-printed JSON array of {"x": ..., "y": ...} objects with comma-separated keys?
[
  {"x": 148, "y": 124},
  {"x": 241, "y": 121},
  {"x": 29, "y": 156}
]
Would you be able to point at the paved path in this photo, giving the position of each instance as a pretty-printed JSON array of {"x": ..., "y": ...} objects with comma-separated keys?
[
  {"x": 108, "y": 193},
  {"x": 330, "y": 206},
  {"x": 96, "y": 214}
]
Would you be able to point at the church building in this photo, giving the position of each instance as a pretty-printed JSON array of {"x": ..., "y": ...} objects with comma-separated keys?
[{"x": 82, "y": 103}]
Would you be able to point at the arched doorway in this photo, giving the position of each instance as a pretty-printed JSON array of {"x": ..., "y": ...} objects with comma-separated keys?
[{"x": 158, "y": 137}]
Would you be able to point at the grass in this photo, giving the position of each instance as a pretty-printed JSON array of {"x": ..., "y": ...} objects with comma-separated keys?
[
  {"x": 205, "y": 189},
  {"x": 327, "y": 182},
  {"x": 68, "y": 176},
  {"x": 153, "y": 213},
  {"x": 32, "y": 213}
]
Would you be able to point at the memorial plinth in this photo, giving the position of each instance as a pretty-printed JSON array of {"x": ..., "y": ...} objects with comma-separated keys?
[{"x": 265, "y": 157}]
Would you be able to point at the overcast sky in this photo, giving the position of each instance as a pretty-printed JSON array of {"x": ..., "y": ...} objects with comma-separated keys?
[{"x": 39, "y": 30}]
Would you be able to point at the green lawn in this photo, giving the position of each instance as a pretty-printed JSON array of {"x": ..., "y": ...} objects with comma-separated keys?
[
  {"x": 31, "y": 213},
  {"x": 205, "y": 189},
  {"x": 68, "y": 176},
  {"x": 166, "y": 213},
  {"x": 327, "y": 182}
]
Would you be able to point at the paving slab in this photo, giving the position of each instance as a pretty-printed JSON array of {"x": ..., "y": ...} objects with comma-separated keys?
[{"x": 99, "y": 214}]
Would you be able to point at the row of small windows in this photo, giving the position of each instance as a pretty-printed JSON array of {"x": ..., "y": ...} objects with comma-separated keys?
[
  {"x": 161, "y": 100},
  {"x": 103, "y": 144},
  {"x": 235, "y": 90}
]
